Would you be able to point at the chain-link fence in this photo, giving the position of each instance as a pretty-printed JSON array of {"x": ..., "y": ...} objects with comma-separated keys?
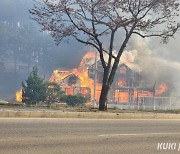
[{"x": 149, "y": 103}]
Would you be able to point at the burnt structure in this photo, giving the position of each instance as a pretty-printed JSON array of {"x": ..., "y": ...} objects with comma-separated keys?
[
  {"x": 71, "y": 84},
  {"x": 126, "y": 87}
]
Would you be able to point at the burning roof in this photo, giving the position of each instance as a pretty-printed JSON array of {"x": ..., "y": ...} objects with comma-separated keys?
[{"x": 58, "y": 76}]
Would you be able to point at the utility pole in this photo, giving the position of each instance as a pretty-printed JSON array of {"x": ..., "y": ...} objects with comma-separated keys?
[
  {"x": 95, "y": 79},
  {"x": 154, "y": 96}
]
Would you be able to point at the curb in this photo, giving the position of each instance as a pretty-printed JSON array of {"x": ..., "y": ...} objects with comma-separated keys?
[{"x": 87, "y": 115}]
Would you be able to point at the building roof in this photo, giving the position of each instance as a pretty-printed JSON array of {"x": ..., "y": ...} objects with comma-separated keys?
[
  {"x": 71, "y": 74},
  {"x": 58, "y": 76}
]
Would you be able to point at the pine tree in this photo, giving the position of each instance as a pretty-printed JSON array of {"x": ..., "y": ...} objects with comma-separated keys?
[
  {"x": 34, "y": 90},
  {"x": 54, "y": 92}
]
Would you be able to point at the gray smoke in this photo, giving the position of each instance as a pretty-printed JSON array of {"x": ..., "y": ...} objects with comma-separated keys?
[{"x": 157, "y": 65}]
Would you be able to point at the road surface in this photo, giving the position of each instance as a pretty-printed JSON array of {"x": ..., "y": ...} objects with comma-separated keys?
[{"x": 85, "y": 136}]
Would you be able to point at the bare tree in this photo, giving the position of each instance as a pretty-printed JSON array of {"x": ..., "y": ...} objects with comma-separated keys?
[{"x": 92, "y": 21}]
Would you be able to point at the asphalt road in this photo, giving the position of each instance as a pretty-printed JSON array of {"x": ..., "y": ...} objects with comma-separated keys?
[{"x": 83, "y": 136}]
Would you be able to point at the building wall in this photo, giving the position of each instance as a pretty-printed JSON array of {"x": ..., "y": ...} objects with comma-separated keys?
[{"x": 65, "y": 82}]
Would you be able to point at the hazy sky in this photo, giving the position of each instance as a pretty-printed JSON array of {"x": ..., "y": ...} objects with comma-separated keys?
[{"x": 18, "y": 10}]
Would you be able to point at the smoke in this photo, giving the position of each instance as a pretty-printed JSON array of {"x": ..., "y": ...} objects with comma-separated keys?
[
  {"x": 153, "y": 64},
  {"x": 129, "y": 57}
]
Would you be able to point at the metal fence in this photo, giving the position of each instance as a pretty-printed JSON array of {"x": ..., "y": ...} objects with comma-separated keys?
[{"x": 149, "y": 103}]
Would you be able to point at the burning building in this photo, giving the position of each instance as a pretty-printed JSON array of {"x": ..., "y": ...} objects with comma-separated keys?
[
  {"x": 76, "y": 81},
  {"x": 70, "y": 83},
  {"x": 126, "y": 88},
  {"x": 86, "y": 80}
]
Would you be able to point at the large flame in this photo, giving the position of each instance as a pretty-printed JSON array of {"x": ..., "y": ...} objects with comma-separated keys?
[
  {"x": 82, "y": 73},
  {"x": 19, "y": 96},
  {"x": 122, "y": 96}
]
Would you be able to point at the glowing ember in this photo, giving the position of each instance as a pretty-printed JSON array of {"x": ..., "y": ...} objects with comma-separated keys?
[
  {"x": 19, "y": 96},
  {"x": 161, "y": 89}
]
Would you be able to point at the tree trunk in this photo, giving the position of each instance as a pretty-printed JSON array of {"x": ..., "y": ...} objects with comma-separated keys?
[
  {"x": 104, "y": 91},
  {"x": 107, "y": 82},
  {"x": 103, "y": 98},
  {"x": 109, "y": 74}
]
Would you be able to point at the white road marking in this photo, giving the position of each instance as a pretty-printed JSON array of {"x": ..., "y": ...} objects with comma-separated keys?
[{"x": 145, "y": 134}]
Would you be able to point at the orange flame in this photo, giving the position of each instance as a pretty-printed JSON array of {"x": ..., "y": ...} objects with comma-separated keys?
[
  {"x": 161, "y": 89},
  {"x": 82, "y": 73},
  {"x": 19, "y": 96},
  {"x": 122, "y": 96},
  {"x": 122, "y": 82}
]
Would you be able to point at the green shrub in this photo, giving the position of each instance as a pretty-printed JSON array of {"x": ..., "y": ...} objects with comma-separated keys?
[{"x": 75, "y": 100}]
